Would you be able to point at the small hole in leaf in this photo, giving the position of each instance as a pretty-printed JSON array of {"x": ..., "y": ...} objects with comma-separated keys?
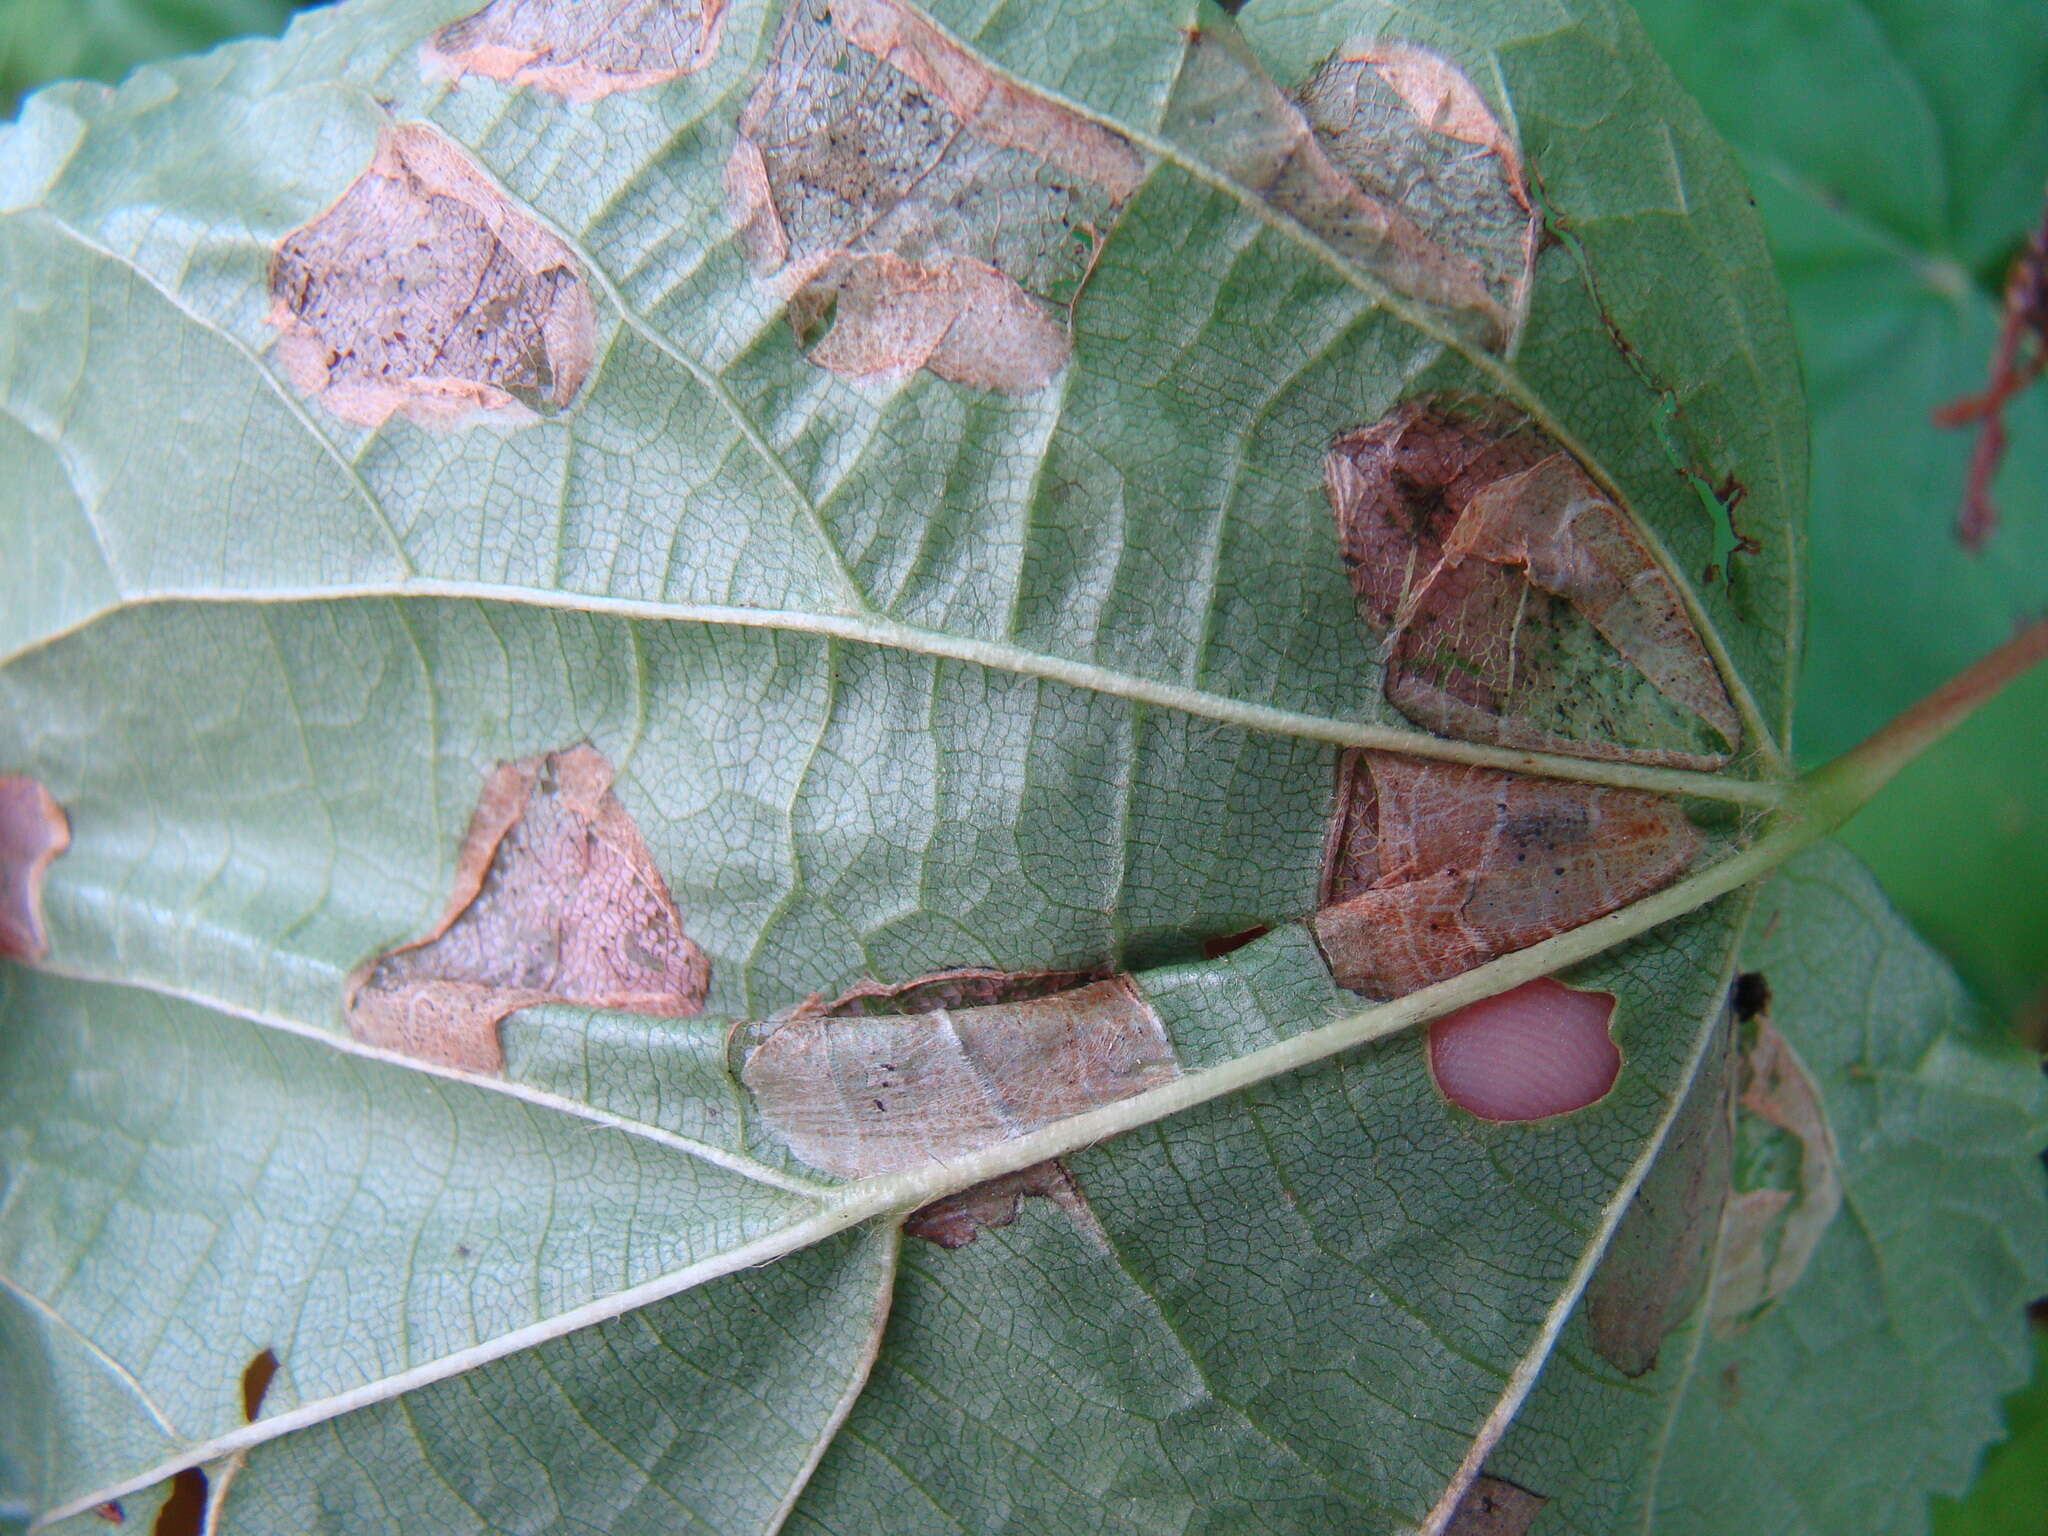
[
  {"x": 184, "y": 1512},
  {"x": 1538, "y": 1050},
  {"x": 1225, "y": 943},
  {"x": 256, "y": 1382},
  {"x": 1750, "y": 996}
]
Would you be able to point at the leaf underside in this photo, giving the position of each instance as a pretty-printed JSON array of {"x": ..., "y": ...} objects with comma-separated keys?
[{"x": 894, "y": 673}]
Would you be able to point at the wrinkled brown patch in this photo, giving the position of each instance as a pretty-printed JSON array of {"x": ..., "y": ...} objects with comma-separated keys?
[
  {"x": 1388, "y": 154},
  {"x": 1493, "y": 1506},
  {"x": 184, "y": 1512},
  {"x": 581, "y": 49},
  {"x": 1518, "y": 603},
  {"x": 1433, "y": 868},
  {"x": 1655, "y": 1270},
  {"x": 859, "y": 1096},
  {"x": 33, "y": 831},
  {"x": 256, "y": 1378},
  {"x": 916, "y": 210},
  {"x": 556, "y": 900},
  {"x": 423, "y": 291},
  {"x": 964, "y": 987},
  {"x": 1768, "y": 1234},
  {"x": 958, "y": 1220}
]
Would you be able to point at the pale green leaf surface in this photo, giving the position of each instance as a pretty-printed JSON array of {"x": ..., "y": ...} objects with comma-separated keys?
[
  {"x": 187, "y": 1190},
  {"x": 788, "y": 490},
  {"x": 897, "y": 676}
]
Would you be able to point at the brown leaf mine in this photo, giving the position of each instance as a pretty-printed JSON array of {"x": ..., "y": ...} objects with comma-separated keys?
[
  {"x": 1389, "y": 155},
  {"x": 1787, "y": 1150},
  {"x": 257, "y": 1376},
  {"x": 1655, "y": 1271},
  {"x": 581, "y": 49},
  {"x": 917, "y": 211},
  {"x": 1433, "y": 868},
  {"x": 423, "y": 291},
  {"x": 958, "y": 1220},
  {"x": 962, "y": 987},
  {"x": 859, "y": 1096},
  {"x": 184, "y": 1512},
  {"x": 1493, "y": 1506},
  {"x": 556, "y": 900},
  {"x": 33, "y": 831},
  {"x": 1518, "y": 603}
]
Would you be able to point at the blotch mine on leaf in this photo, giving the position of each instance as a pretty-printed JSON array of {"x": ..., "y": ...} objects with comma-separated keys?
[
  {"x": 960, "y": 987},
  {"x": 423, "y": 291},
  {"x": 1493, "y": 1506},
  {"x": 256, "y": 1378},
  {"x": 916, "y": 210},
  {"x": 1432, "y": 868},
  {"x": 859, "y": 1096},
  {"x": 1788, "y": 1182},
  {"x": 1517, "y": 603},
  {"x": 33, "y": 831},
  {"x": 556, "y": 900},
  {"x": 581, "y": 49},
  {"x": 1389, "y": 155},
  {"x": 1537, "y": 1050},
  {"x": 184, "y": 1512},
  {"x": 958, "y": 1220},
  {"x": 1655, "y": 1271}
]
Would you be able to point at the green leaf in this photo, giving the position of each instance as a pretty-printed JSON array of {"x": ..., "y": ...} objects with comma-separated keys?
[
  {"x": 895, "y": 673},
  {"x": 2010, "y": 1492},
  {"x": 1845, "y": 1395},
  {"x": 1898, "y": 149}
]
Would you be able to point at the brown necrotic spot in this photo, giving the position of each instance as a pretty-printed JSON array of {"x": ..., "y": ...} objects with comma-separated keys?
[
  {"x": 1517, "y": 602},
  {"x": 33, "y": 831},
  {"x": 556, "y": 899},
  {"x": 916, "y": 210},
  {"x": 958, "y": 1220},
  {"x": 581, "y": 49},
  {"x": 1389, "y": 155},
  {"x": 1788, "y": 1180},
  {"x": 1654, "y": 1273},
  {"x": 1750, "y": 995},
  {"x": 423, "y": 291},
  {"x": 256, "y": 1378},
  {"x": 1539, "y": 1050},
  {"x": 859, "y": 1096},
  {"x": 1433, "y": 868},
  {"x": 1493, "y": 1506},
  {"x": 184, "y": 1512}
]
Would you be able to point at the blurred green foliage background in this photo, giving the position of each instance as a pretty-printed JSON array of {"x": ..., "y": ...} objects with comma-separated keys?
[
  {"x": 1899, "y": 150},
  {"x": 103, "y": 39}
]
